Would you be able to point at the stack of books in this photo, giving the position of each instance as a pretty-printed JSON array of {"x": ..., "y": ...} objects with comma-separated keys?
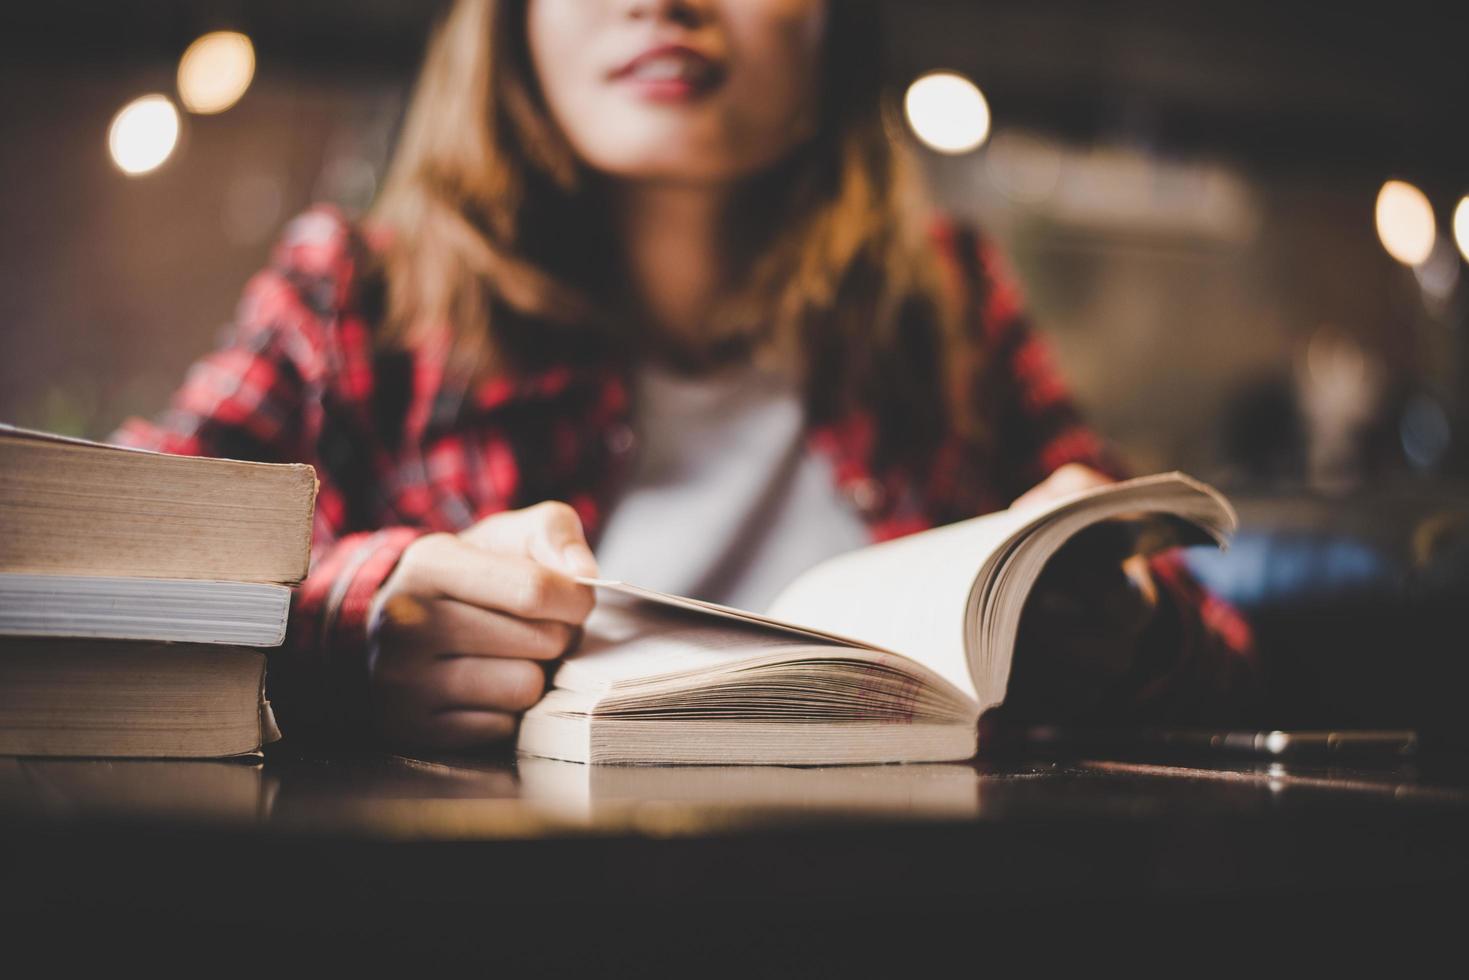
[{"x": 136, "y": 590}]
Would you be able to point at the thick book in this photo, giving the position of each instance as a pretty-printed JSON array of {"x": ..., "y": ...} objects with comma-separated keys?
[
  {"x": 82, "y": 697},
  {"x": 889, "y": 653},
  {"x": 72, "y": 507}
]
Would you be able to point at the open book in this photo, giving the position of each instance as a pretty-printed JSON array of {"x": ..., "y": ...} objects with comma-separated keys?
[{"x": 889, "y": 653}]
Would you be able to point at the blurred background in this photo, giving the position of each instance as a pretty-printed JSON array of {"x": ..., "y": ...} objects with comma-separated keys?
[
  {"x": 1192, "y": 195},
  {"x": 1244, "y": 226}
]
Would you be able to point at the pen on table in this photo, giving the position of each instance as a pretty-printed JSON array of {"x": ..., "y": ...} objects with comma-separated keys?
[{"x": 1272, "y": 744}]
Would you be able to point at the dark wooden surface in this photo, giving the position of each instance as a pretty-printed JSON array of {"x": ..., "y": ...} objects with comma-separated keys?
[{"x": 550, "y": 865}]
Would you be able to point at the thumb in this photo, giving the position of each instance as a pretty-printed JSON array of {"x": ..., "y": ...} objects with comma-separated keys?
[{"x": 549, "y": 532}]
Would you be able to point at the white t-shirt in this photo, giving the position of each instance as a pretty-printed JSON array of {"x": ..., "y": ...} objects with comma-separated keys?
[{"x": 724, "y": 500}]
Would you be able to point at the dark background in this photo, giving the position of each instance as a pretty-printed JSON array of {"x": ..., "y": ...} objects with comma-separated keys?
[{"x": 1186, "y": 192}]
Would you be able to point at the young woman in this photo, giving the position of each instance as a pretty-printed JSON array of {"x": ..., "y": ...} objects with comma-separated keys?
[{"x": 648, "y": 286}]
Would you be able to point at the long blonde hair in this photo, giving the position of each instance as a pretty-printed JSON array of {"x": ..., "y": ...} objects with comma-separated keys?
[{"x": 494, "y": 232}]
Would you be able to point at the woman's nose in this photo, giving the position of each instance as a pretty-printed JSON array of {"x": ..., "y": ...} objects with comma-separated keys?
[{"x": 689, "y": 13}]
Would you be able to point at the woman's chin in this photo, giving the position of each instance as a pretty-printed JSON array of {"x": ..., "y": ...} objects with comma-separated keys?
[
  {"x": 648, "y": 143},
  {"x": 667, "y": 165}
]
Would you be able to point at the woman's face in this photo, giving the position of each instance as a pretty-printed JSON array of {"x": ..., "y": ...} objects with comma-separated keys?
[{"x": 682, "y": 90}]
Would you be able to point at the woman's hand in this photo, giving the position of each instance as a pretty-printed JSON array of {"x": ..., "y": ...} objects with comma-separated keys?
[
  {"x": 1063, "y": 481},
  {"x": 1083, "y": 624},
  {"x": 466, "y": 622}
]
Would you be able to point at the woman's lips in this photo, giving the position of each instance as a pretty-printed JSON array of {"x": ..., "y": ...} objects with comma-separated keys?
[{"x": 670, "y": 73}]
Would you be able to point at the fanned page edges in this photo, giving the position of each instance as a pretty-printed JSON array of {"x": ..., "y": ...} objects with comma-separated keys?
[{"x": 644, "y": 659}]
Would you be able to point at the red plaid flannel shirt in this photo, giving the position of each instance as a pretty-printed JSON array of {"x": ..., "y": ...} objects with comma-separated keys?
[{"x": 401, "y": 452}]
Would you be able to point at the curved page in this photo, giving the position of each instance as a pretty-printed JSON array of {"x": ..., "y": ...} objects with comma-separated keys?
[{"x": 950, "y": 598}]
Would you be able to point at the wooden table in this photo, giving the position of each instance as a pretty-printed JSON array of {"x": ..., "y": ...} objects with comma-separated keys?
[{"x": 370, "y": 857}]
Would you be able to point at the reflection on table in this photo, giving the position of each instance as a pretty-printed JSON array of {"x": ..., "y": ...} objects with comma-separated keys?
[{"x": 396, "y": 797}]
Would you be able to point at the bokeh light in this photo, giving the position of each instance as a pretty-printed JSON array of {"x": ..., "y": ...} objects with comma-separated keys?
[
  {"x": 947, "y": 112},
  {"x": 215, "y": 71},
  {"x": 1438, "y": 274},
  {"x": 143, "y": 134},
  {"x": 1405, "y": 222},
  {"x": 1461, "y": 227},
  {"x": 1425, "y": 432}
]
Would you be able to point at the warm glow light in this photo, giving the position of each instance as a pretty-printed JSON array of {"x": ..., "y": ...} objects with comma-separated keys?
[
  {"x": 143, "y": 134},
  {"x": 1461, "y": 227},
  {"x": 215, "y": 71},
  {"x": 1405, "y": 222},
  {"x": 947, "y": 112}
]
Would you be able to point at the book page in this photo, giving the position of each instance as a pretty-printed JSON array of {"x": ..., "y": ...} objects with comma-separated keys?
[
  {"x": 629, "y": 639},
  {"x": 910, "y": 595},
  {"x": 714, "y": 609}
]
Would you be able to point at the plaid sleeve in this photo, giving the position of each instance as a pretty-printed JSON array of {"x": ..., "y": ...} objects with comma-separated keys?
[
  {"x": 244, "y": 400},
  {"x": 259, "y": 397},
  {"x": 320, "y": 687},
  {"x": 1198, "y": 665}
]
